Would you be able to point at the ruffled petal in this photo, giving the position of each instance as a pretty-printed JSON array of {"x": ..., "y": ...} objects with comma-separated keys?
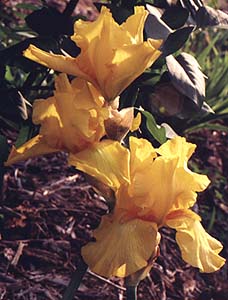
[
  {"x": 44, "y": 109},
  {"x": 177, "y": 147},
  {"x": 120, "y": 248},
  {"x": 74, "y": 117},
  {"x": 198, "y": 248},
  {"x": 111, "y": 57},
  {"x": 135, "y": 24},
  {"x": 142, "y": 154},
  {"x": 108, "y": 161},
  {"x": 34, "y": 147},
  {"x": 153, "y": 189},
  {"x": 187, "y": 183}
]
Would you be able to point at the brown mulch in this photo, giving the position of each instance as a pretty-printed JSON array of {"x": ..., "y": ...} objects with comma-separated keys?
[{"x": 48, "y": 212}]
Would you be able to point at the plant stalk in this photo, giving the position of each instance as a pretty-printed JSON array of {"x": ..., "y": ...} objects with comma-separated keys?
[
  {"x": 75, "y": 281},
  {"x": 131, "y": 292}
]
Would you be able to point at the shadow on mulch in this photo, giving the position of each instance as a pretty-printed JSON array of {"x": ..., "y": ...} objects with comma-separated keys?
[{"x": 48, "y": 212}]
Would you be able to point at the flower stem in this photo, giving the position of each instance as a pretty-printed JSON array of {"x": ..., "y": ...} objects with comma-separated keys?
[
  {"x": 131, "y": 292},
  {"x": 75, "y": 281}
]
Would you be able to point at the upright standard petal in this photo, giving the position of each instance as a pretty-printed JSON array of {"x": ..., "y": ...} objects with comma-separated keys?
[
  {"x": 198, "y": 248},
  {"x": 121, "y": 248},
  {"x": 177, "y": 147},
  {"x": 142, "y": 154},
  {"x": 153, "y": 190},
  {"x": 111, "y": 56},
  {"x": 108, "y": 161}
]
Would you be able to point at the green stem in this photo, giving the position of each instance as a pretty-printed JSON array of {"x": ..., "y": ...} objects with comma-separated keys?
[
  {"x": 70, "y": 8},
  {"x": 75, "y": 281},
  {"x": 131, "y": 292}
]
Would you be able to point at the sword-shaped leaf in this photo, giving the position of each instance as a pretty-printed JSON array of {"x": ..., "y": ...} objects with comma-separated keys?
[
  {"x": 207, "y": 16},
  {"x": 186, "y": 75}
]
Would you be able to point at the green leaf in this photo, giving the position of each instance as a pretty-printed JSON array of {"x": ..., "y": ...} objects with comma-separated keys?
[
  {"x": 27, "y": 6},
  {"x": 4, "y": 151},
  {"x": 175, "y": 16},
  {"x": 155, "y": 27},
  {"x": 210, "y": 126},
  {"x": 24, "y": 135},
  {"x": 53, "y": 22},
  {"x": 12, "y": 104},
  {"x": 208, "y": 16},
  {"x": 186, "y": 75},
  {"x": 157, "y": 132},
  {"x": 176, "y": 40}
]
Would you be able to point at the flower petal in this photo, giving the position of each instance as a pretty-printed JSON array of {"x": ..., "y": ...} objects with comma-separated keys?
[
  {"x": 198, "y": 248},
  {"x": 177, "y": 147},
  {"x": 74, "y": 117},
  {"x": 135, "y": 24},
  {"x": 187, "y": 183},
  {"x": 136, "y": 122},
  {"x": 34, "y": 147},
  {"x": 61, "y": 63},
  {"x": 127, "y": 64},
  {"x": 108, "y": 161},
  {"x": 142, "y": 155},
  {"x": 120, "y": 248},
  {"x": 153, "y": 189},
  {"x": 111, "y": 56}
]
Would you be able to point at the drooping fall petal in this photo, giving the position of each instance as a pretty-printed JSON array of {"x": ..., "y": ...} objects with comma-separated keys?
[
  {"x": 64, "y": 64},
  {"x": 108, "y": 161},
  {"x": 112, "y": 55},
  {"x": 121, "y": 248},
  {"x": 187, "y": 183},
  {"x": 34, "y": 147},
  {"x": 198, "y": 248}
]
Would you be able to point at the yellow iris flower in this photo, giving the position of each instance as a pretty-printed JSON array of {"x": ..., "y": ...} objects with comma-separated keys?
[
  {"x": 71, "y": 120},
  {"x": 153, "y": 188},
  {"x": 112, "y": 55}
]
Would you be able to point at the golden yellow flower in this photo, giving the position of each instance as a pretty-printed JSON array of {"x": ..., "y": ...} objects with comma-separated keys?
[
  {"x": 112, "y": 55},
  {"x": 153, "y": 188},
  {"x": 71, "y": 120}
]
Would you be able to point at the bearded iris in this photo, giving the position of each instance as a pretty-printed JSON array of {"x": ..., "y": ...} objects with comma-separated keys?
[
  {"x": 153, "y": 188},
  {"x": 71, "y": 120},
  {"x": 112, "y": 55}
]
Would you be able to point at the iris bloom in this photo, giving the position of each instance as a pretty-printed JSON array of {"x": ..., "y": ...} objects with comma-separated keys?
[
  {"x": 112, "y": 55},
  {"x": 153, "y": 188},
  {"x": 71, "y": 120}
]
